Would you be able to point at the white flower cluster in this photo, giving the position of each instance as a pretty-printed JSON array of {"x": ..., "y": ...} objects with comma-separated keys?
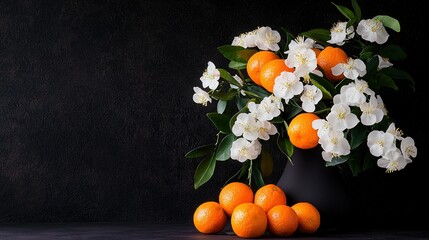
[
  {"x": 264, "y": 38},
  {"x": 255, "y": 125}
]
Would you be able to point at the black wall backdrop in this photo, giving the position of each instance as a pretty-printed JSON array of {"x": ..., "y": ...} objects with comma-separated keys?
[{"x": 96, "y": 110}]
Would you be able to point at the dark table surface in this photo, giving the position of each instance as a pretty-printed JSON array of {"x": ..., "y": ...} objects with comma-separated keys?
[{"x": 133, "y": 231}]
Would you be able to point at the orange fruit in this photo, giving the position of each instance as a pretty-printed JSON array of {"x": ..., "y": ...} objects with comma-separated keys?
[
  {"x": 233, "y": 194},
  {"x": 209, "y": 217},
  {"x": 269, "y": 196},
  {"x": 308, "y": 217},
  {"x": 255, "y": 63},
  {"x": 249, "y": 220},
  {"x": 301, "y": 132},
  {"x": 328, "y": 58},
  {"x": 270, "y": 71},
  {"x": 282, "y": 221}
]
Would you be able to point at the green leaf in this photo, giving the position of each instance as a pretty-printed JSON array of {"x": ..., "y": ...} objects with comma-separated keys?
[
  {"x": 369, "y": 161},
  {"x": 237, "y": 65},
  {"x": 324, "y": 85},
  {"x": 200, "y": 151},
  {"x": 289, "y": 38},
  {"x": 244, "y": 169},
  {"x": 204, "y": 171},
  {"x": 285, "y": 146},
  {"x": 367, "y": 52},
  {"x": 360, "y": 160},
  {"x": 257, "y": 91},
  {"x": 357, "y": 11},
  {"x": 371, "y": 66},
  {"x": 345, "y": 11},
  {"x": 399, "y": 74},
  {"x": 221, "y": 106},
  {"x": 357, "y": 136},
  {"x": 389, "y": 22},
  {"x": 277, "y": 119},
  {"x": 318, "y": 34},
  {"x": 224, "y": 96},
  {"x": 365, "y": 55},
  {"x": 355, "y": 162},
  {"x": 236, "y": 53},
  {"x": 242, "y": 102},
  {"x": 257, "y": 177},
  {"x": 228, "y": 77},
  {"x": 385, "y": 81},
  {"x": 392, "y": 52},
  {"x": 223, "y": 151},
  {"x": 337, "y": 160},
  {"x": 267, "y": 163},
  {"x": 220, "y": 121},
  {"x": 291, "y": 111}
]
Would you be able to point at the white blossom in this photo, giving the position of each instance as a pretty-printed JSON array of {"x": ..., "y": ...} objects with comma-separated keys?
[
  {"x": 201, "y": 97},
  {"x": 341, "y": 117},
  {"x": 383, "y": 63},
  {"x": 277, "y": 102},
  {"x": 240, "y": 82},
  {"x": 335, "y": 143},
  {"x": 408, "y": 148},
  {"x": 380, "y": 142},
  {"x": 210, "y": 77},
  {"x": 303, "y": 60},
  {"x": 310, "y": 97},
  {"x": 267, "y": 110},
  {"x": 267, "y": 39},
  {"x": 239, "y": 40},
  {"x": 372, "y": 30},
  {"x": 327, "y": 156},
  {"x": 245, "y": 125},
  {"x": 243, "y": 149},
  {"x": 301, "y": 42},
  {"x": 340, "y": 33},
  {"x": 253, "y": 110},
  {"x": 265, "y": 129},
  {"x": 396, "y": 132},
  {"x": 381, "y": 104},
  {"x": 371, "y": 113},
  {"x": 353, "y": 69},
  {"x": 393, "y": 160},
  {"x": 287, "y": 85},
  {"x": 245, "y": 40},
  {"x": 322, "y": 126},
  {"x": 353, "y": 94}
]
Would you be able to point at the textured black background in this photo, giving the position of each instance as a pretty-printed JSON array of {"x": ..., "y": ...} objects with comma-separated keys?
[{"x": 96, "y": 110}]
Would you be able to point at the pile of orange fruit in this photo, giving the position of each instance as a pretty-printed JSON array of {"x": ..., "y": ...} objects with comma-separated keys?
[{"x": 254, "y": 214}]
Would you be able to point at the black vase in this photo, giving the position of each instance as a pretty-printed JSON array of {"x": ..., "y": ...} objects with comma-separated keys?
[{"x": 308, "y": 179}]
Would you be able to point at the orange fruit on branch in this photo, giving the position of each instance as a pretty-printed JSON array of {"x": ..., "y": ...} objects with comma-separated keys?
[
  {"x": 270, "y": 71},
  {"x": 255, "y": 63},
  {"x": 328, "y": 58},
  {"x": 233, "y": 194},
  {"x": 209, "y": 217},
  {"x": 308, "y": 217},
  {"x": 301, "y": 132},
  {"x": 249, "y": 220},
  {"x": 269, "y": 196}
]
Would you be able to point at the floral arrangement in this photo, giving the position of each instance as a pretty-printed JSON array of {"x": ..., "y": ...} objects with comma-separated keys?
[{"x": 354, "y": 128}]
